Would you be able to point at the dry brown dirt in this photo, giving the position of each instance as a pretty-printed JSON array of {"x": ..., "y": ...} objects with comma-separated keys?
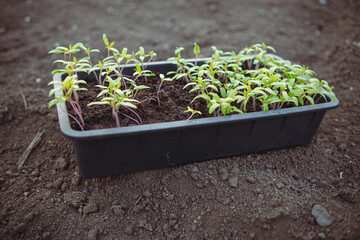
[{"x": 267, "y": 195}]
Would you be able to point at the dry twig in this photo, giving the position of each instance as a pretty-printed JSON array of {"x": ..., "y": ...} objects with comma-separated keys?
[
  {"x": 28, "y": 150},
  {"x": 23, "y": 97}
]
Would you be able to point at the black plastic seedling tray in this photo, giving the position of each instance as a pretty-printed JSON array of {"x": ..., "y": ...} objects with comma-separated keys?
[{"x": 115, "y": 151}]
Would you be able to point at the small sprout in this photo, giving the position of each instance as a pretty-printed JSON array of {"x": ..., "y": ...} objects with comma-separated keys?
[
  {"x": 113, "y": 96},
  {"x": 162, "y": 79},
  {"x": 69, "y": 87},
  {"x": 196, "y": 52},
  {"x": 192, "y": 111}
]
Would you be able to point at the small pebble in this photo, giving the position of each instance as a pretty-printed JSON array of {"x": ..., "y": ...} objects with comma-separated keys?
[
  {"x": 61, "y": 164},
  {"x": 172, "y": 216},
  {"x": 129, "y": 230},
  {"x": 321, "y": 235},
  {"x": 110, "y": 10},
  {"x": 323, "y": 2},
  {"x": 200, "y": 184},
  {"x": 90, "y": 208},
  {"x": 75, "y": 180},
  {"x": 74, "y": 27},
  {"x": 27, "y": 19},
  {"x": 137, "y": 208},
  {"x": 166, "y": 46},
  {"x": 251, "y": 179},
  {"x": 233, "y": 181},
  {"x": 147, "y": 193},
  {"x": 275, "y": 202},
  {"x": 311, "y": 235},
  {"x": 252, "y": 235},
  {"x": 321, "y": 215},
  {"x": 117, "y": 210},
  {"x": 38, "y": 80},
  {"x": 74, "y": 199},
  {"x": 57, "y": 183},
  {"x": 195, "y": 169},
  {"x": 342, "y": 147},
  {"x": 92, "y": 234},
  {"x": 46, "y": 235},
  {"x": 224, "y": 175},
  {"x": 261, "y": 12},
  {"x": 29, "y": 217},
  {"x": 170, "y": 197},
  {"x": 20, "y": 228}
]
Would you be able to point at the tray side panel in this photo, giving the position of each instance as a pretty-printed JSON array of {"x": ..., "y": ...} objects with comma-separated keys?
[{"x": 112, "y": 156}]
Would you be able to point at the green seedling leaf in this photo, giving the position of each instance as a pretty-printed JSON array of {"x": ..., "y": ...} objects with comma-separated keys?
[
  {"x": 213, "y": 107},
  {"x": 196, "y": 49},
  {"x": 105, "y": 39},
  {"x": 310, "y": 100},
  {"x": 53, "y": 102},
  {"x": 223, "y": 92},
  {"x": 127, "y": 104},
  {"x": 225, "y": 108}
]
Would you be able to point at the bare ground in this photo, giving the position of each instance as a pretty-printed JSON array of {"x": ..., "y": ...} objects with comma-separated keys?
[{"x": 266, "y": 195}]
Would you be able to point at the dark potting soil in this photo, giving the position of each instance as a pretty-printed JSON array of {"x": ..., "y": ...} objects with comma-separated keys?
[{"x": 174, "y": 100}]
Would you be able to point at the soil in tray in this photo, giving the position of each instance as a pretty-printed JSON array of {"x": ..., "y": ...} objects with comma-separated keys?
[{"x": 173, "y": 99}]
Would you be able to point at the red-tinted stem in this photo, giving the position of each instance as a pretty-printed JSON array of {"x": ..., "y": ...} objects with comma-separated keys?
[
  {"x": 77, "y": 111},
  {"x": 114, "y": 113},
  {"x": 134, "y": 113},
  {"x": 131, "y": 118},
  {"x": 317, "y": 99},
  {"x": 158, "y": 94},
  {"x": 82, "y": 129},
  {"x": 149, "y": 99}
]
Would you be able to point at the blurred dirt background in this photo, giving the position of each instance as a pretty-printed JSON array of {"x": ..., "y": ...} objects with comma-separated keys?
[{"x": 268, "y": 195}]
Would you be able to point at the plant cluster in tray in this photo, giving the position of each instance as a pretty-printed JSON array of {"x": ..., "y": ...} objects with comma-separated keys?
[{"x": 228, "y": 83}]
